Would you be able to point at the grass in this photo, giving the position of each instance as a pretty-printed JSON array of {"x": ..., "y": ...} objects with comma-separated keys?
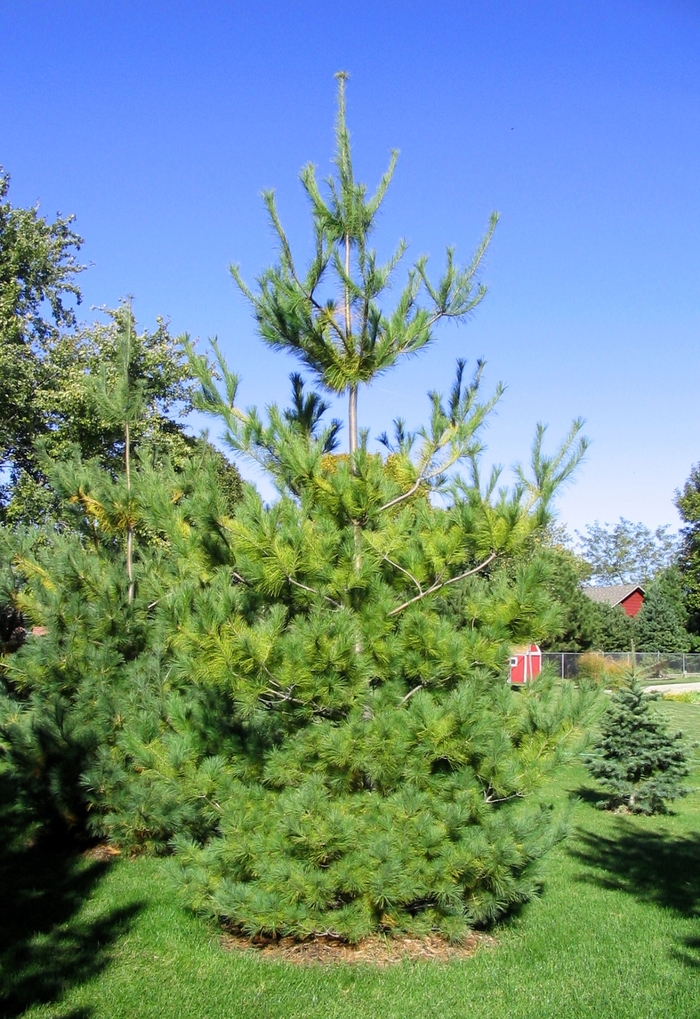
[
  {"x": 689, "y": 697},
  {"x": 615, "y": 934},
  {"x": 672, "y": 679}
]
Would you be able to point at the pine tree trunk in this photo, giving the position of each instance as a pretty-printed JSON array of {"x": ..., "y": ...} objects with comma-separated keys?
[
  {"x": 130, "y": 526},
  {"x": 352, "y": 421},
  {"x": 352, "y": 400}
]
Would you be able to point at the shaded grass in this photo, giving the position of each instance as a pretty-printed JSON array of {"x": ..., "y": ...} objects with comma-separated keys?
[
  {"x": 616, "y": 934},
  {"x": 649, "y": 865},
  {"x": 48, "y": 942}
]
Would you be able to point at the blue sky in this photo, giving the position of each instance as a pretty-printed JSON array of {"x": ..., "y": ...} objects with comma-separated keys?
[{"x": 159, "y": 123}]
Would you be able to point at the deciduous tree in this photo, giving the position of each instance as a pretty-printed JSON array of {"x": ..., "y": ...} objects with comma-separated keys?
[
  {"x": 625, "y": 552},
  {"x": 38, "y": 292}
]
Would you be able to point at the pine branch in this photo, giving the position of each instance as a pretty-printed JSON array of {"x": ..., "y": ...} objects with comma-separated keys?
[
  {"x": 402, "y": 570},
  {"x": 411, "y": 693},
  {"x": 438, "y": 586},
  {"x": 311, "y": 590}
]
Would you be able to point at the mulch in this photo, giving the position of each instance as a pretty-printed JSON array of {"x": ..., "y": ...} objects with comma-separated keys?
[
  {"x": 324, "y": 949},
  {"x": 376, "y": 950},
  {"x": 102, "y": 852}
]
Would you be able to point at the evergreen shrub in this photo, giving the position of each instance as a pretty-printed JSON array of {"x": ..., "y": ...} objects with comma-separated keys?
[{"x": 639, "y": 763}]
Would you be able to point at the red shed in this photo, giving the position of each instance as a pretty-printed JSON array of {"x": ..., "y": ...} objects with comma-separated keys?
[
  {"x": 525, "y": 664},
  {"x": 630, "y": 597}
]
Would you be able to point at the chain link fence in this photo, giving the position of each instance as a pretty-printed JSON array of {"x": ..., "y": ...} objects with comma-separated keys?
[{"x": 597, "y": 664}]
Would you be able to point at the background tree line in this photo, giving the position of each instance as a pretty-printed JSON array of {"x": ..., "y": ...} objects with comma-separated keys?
[{"x": 624, "y": 553}]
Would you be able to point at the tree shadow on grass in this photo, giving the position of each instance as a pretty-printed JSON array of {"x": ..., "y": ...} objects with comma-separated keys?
[
  {"x": 588, "y": 794},
  {"x": 689, "y": 954},
  {"x": 655, "y": 868},
  {"x": 45, "y": 946}
]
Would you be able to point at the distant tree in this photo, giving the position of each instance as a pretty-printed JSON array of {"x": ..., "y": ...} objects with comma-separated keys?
[
  {"x": 688, "y": 505},
  {"x": 660, "y": 624},
  {"x": 616, "y": 631},
  {"x": 48, "y": 367},
  {"x": 69, "y": 412},
  {"x": 38, "y": 291},
  {"x": 579, "y": 620},
  {"x": 637, "y": 760},
  {"x": 626, "y": 553}
]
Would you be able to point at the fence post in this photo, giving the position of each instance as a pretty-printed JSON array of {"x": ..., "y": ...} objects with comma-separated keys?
[
  {"x": 684, "y": 663},
  {"x": 562, "y": 665}
]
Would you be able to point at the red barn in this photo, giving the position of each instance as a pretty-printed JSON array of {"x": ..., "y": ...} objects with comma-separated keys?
[
  {"x": 525, "y": 664},
  {"x": 630, "y": 597}
]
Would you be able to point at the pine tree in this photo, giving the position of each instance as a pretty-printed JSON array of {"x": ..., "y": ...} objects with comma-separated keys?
[
  {"x": 615, "y": 629},
  {"x": 306, "y": 699},
  {"x": 347, "y": 343},
  {"x": 387, "y": 776},
  {"x": 77, "y": 698},
  {"x": 659, "y": 625},
  {"x": 637, "y": 760}
]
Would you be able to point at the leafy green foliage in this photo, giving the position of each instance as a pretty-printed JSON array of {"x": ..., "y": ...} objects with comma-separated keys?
[
  {"x": 625, "y": 552},
  {"x": 79, "y": 404},
  {"x": 49, "y": 367},
  {"x": 688, "y": 504},
  {"x": 38, "y": 267},
  {"x": 637, "y": 760},
  {"x": 577, "y": 627}
]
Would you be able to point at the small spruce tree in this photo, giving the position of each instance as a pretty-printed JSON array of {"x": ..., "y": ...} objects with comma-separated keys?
[{"x": 637, "y": 760}]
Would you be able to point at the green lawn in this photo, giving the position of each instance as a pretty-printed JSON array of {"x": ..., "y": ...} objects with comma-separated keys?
[{"x": 615, "y": 934}]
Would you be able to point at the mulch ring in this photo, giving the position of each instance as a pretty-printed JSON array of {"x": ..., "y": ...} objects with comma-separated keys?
[
  {"x": 102, "y": 852},
  {"x": 376, "y": 950}
]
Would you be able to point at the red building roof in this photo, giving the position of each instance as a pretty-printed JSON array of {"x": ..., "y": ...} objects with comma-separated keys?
[{"x": 630, "y": 597}]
